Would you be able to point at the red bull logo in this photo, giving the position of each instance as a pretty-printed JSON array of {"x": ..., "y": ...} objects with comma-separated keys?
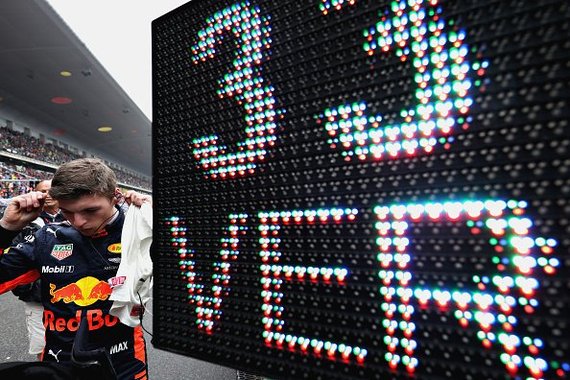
[
  {"x": 96, "y": 319},
  {"x": 84, "y": 292}
]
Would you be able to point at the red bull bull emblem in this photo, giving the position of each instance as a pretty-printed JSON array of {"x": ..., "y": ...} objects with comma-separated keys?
[
  {"x": 62, "y": 251},
  {"x": 84, "y": 292}
]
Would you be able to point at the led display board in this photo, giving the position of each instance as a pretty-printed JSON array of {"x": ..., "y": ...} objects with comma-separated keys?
[{"x": 364, "y": 189}]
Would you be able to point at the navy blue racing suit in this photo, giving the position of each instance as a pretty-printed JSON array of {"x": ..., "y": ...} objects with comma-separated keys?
[{"x": 74, "y": 272}]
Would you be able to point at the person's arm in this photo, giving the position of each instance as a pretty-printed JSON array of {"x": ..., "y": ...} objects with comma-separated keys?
[
  {"x": 21, "y": 211},
  {"x": 16, "y": 266},
  {"x": 6, "y": 237},
  {"x": 14, "y": 216}
]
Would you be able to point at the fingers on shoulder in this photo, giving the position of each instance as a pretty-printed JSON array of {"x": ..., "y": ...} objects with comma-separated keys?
[{"x": 137, "y": 199}]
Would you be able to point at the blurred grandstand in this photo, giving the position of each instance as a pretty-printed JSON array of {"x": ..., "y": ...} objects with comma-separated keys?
[
  {"x": 33, "y": 160},
  {"x": 58, "y": 103},
  {"x": 24, "y": 161}
]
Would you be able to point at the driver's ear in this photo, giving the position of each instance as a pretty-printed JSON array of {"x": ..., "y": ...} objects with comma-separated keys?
[{"x": 118, "y": 196}]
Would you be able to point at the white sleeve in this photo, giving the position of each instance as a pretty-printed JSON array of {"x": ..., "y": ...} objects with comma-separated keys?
[{"x": 133, "y": 282}]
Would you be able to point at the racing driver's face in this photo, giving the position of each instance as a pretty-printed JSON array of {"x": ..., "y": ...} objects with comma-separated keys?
[{"x": 88, "y": 214}]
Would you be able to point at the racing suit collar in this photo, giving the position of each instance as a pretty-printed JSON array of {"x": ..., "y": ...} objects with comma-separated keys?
[{"x": 115, "y": 223}]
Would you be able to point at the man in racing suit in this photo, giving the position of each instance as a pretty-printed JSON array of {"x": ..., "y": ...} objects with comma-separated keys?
[{"x": 77, "y": 261}]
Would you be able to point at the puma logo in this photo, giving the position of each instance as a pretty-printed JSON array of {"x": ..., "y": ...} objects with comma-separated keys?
[
  {"x": 51, "y": 230},
  {"x": 54, "y": 355}
]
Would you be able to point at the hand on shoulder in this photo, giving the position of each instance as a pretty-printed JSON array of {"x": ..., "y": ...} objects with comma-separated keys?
[{"x": 133, "y": 197}]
